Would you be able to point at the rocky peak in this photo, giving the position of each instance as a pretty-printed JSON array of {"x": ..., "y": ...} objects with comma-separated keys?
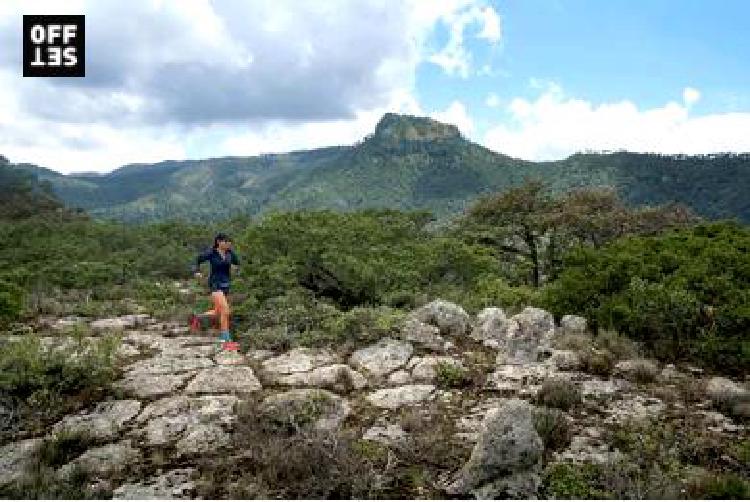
[{"x": 396, "y": 127}]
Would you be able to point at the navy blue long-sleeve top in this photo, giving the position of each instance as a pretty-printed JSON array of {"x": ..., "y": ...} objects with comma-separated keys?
[{"x": 220, "y": 267}]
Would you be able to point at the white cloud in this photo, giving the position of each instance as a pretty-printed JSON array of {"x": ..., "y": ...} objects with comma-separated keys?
[
  {"x": 168, "y": 79},
  {"x": 492, "y": 100},
  {"x": 454, "y": 58},
  {"x": 554, "y": 126},
  {"x": 457, "y": 115}
]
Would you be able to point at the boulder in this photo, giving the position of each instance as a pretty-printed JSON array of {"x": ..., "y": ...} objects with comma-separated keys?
[
  {"x": 526, "y": 333},
  {"x": 490, "y": 327},
  {"x": 422, "y": 334},
  {"x": 383, "y": 357},
  {"x": 399, "y": 377},
  {"x": 449, "y": 318},
  {"x": 103, "y": 423},
  {"x": 224, "y": 379},
  {"x": 404, "y": 395},
  {"x": 573, "y": 324},
  {"x": 507, "y": 457}
]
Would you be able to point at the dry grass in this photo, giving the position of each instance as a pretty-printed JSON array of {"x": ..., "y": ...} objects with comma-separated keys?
[{"x": 558, "y": 393}]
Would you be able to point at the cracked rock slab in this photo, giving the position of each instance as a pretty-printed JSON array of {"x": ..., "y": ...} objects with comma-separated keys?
[
  {"x": 224, "y": 379},
  {"x": 404, "y": 395},
  {"x": 104, "y": 422},
  {"x": 144, "y": 385},
  {"x": 298, "y": 360},
  {"x": 107, "y": 459},
  {"x": 169, "y": 365},
  {"x": 339, "y": 377}
]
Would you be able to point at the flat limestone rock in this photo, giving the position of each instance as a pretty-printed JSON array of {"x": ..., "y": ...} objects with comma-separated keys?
[
  {"x": 144, "y": 385},
  {"x": 396, "y": 397},
  {"x": 389, "y": 435},
  {"x": 298, "y": 360},
  {"x": 338, "y": 377},
  {"x": 169, "y": 365},
  {"x": 104, "y": 422},
  {"x": 383, "y": 357},
  {"x": 107, "y": 459},
  {"x": 224, "y": 379},
  {"x": 202, "y": 438}
]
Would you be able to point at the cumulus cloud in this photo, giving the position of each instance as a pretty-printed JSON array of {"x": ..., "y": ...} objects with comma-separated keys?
[
  {"x": 554, "y": 125},
  {"x": 168, "y": 79},
  {"x": 454, "y": 58},
  {"x": 492, "y": 100},
  {"x": 457, "y": 115}
]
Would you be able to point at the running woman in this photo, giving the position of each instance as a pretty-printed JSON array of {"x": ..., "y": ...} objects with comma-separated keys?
[{"x": 221, "y": 257}]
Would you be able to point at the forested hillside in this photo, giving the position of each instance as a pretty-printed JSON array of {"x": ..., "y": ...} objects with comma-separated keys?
[{"x": 407, "y": 163}]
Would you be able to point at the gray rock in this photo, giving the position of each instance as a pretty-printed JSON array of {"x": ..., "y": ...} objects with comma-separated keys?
[
  {"x": 107, "y": 459},
  {"x": 298, "y": 360},
  {"x": 383, "y": 357},
  {"x": 597, "y": 389},
  {"x": 389, "y": 435},
  {"x": 585, "y": 449},
  {"x": 104, "y": 422},
  {"x": 425, "y": 368},
  {"x": 14, "y": 458},
  {"x": 175, "y": 484},
  {"x": 422, "y": 334},
  {"x": 125, "y": 351},
  {"x": 338, "y": 377},
  {"x": 224, "y": 379},
  {"x": 317, "y": 408},
  {"x": 491, "y": 327},
  {"x": 119, "y": 323},
  {"x": 565, "y": 360},
  {"x": 144, "y": 385},
  {"x": 399, "y": 377},
  {"x": 526, "y": 333},
  {"x": 168, "y": 365},
  {"x": 507, "y": 454},
  {"x": 202, "y": 438},
  {"x": 573, "y": 324},
  {"x": 404, "y": 395},
  {"x": 449, "y": 318},
  {"x": 721, "y": 390}
]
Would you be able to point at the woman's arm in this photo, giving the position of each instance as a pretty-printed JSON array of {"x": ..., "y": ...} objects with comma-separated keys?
[{"x": 205, "y": 256}]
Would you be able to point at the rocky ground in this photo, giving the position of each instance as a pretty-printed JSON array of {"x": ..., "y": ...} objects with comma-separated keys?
[{"x": 179, "y": 402}]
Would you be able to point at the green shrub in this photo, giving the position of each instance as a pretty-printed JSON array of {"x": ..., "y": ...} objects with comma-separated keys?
[
  {"x": 11, "y": 302},
  {"x": 719, "y": 487},
  {"x": 553, "y": 427},
  {"x": 572, "y": 481},
  {"x": 559, "y": 393},
  {"x": 683, "y": 294},
  {"x": 449, "y": 375}
]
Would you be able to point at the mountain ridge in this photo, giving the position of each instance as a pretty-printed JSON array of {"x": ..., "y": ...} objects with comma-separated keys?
[{"x": 408, "y": 163}]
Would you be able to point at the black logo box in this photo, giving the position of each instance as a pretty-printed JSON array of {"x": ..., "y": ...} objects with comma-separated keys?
[{"x": 39, "y": 58}]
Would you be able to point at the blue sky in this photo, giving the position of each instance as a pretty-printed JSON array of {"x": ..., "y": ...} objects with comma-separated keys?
[
  {"x": 169, "y": 79},
  {"x": 646, "y": 52}
]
